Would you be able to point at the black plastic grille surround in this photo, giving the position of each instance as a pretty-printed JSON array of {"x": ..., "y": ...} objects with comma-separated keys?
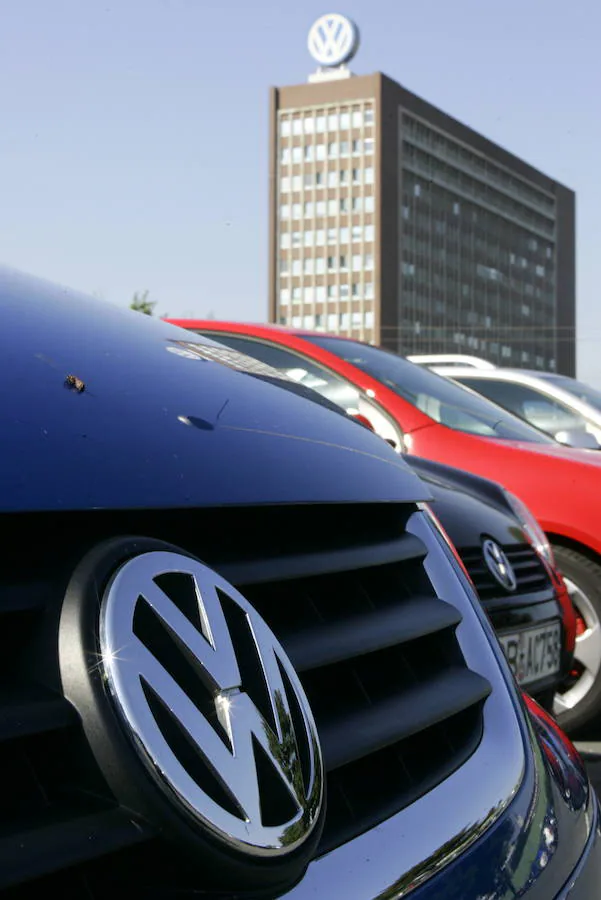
[
  {"x": 397, "y": 708},
  {"x": 529, "y": 571}
]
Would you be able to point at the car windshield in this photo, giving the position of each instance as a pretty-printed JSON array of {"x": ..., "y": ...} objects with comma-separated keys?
[
  {"x": 577, "y": 389},
  {"x": 442, "y": 400}
]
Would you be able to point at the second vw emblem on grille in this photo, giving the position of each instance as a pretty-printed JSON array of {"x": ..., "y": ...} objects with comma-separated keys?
[
  {"x": 214, "y": 705},
  {"x": 498, "y": 565}
]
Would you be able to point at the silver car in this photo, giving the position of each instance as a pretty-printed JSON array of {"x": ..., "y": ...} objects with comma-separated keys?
[{"x": 563, "y": 407}]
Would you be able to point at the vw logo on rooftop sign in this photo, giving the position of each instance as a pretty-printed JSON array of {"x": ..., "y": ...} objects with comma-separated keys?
[{"x": 333, "y": 40}]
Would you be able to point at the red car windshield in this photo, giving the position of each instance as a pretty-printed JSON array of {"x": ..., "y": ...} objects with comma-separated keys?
[{"x": 437, "y": 397}]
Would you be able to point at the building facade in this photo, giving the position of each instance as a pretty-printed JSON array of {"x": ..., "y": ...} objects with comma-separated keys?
[{"x": 394, "y": 223}]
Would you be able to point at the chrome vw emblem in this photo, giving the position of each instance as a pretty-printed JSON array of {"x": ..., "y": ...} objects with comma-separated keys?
[
  {"x": 215, "y": 707},
  {"x": 498, "y": 565},
  {"x": 333, "y": 40}
]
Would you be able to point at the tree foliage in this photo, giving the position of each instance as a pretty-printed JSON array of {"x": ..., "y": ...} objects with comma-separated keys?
[{"x": 141, "y": 303}]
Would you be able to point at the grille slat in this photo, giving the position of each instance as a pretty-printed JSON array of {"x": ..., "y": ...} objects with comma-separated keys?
[
  {"x": 346, "y": 739},
  {"x": 30, "y": 854},
  {"x": 286, "y": 568},
  {"x": 27, "y": 711},
  {"x": 367, "y": 633}
]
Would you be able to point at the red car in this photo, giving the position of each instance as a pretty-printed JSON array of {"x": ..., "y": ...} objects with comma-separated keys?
[{"x": 428, "y": 416}]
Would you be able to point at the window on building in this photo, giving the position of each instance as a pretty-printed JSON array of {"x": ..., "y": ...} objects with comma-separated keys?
[
  {"x": 332, "y": 179},
  {"x": 332, "y": 122},
  {"x": 369, "y": 204},
  {"x": 368, "y": 261},
  {"x": 284, "y": 296},
  {"x": 345, "y": 121},
  {"x": 285, "y": 127},
  {"x": 285, "y": 240},
  {"x": 296, "y": 294},
  {"x": 344, "y": 148},
  {"x": 356, "y": 174},
  {"x": 320, "y": 293},
  {"x": 357, "y": 118},
  {"x": 331, "y": 263},
  {"x": 285, "y": 184},
  {"x": 332, "y": 291},
  {"x": 320, "y": 124},
  {"x": 343, "y": 262},
  {"x": 368, "y": 290},
  {"x": 332, "y": 207},
  {"x": 332, "y": 235},
  {"x": 297, "y": 154},
  {"x": 309, "y": 125},
  {"x": 368, "y": 145},
  {"x": 332, "y": 150},
  {"x": 309, "y": 153},
  {"x": 369, "y": 232},
  {"x": 369, "y": 319},
  {"x": 369, "y": 116},
  {"x": 296, "y": 266},
  {"x": 285, "y": 155},
  {"x": 296, "y": 183},
  {"x": 357, "y": 146},
  {"x": 309, "y": 237},
  {"x": 308, "y": 265},
  {"x": 320, "y": 265},
  {"x": 296, "y": 210}
]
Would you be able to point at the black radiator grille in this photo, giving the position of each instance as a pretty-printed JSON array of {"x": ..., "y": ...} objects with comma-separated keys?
[
  {"x": 529, "y": 571},
  {"x": 397, "y": 708}
]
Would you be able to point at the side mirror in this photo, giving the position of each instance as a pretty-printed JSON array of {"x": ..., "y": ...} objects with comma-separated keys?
[
  {"x": 364, "y": 421},
  {"x": 578, "y": 437}
]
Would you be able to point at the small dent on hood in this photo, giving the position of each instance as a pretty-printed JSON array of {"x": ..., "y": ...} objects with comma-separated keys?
[{"x": 73, "y": 383}]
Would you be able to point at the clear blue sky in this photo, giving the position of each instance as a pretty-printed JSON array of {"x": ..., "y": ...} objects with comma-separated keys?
[{"x": 133, "y": 136}]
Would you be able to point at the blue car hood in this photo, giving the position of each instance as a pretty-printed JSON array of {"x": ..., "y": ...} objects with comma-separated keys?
[{"x": 107, "y": 408}]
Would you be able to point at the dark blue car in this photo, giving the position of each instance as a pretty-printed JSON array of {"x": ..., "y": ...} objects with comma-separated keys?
[{"x": 238, "y": 657}]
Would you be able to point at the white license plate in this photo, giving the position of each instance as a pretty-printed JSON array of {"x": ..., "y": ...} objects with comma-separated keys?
[{"x": 533, "y": 653}]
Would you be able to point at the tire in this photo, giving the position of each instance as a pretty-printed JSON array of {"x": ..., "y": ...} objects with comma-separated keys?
[{"x": 578, "y": 705}]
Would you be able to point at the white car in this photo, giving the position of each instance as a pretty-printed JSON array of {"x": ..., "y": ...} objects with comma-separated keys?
[{"x": 561, "y": 406}]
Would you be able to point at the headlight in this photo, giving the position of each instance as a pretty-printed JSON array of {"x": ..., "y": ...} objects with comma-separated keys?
[{"x": 532, "y": 529}]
